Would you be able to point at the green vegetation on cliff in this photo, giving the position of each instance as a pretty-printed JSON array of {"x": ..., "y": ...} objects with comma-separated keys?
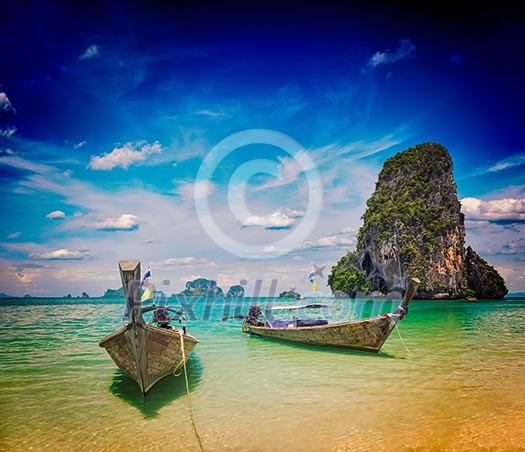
[
  {"x": 346, "y": 277},
  {"x": 482, "y": 278},
  {"x": 414, "y": 215},
  {"x": 413, "y": 225}
]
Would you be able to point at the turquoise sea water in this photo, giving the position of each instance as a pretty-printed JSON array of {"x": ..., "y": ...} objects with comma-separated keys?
[{"x": 459, "y": 387}]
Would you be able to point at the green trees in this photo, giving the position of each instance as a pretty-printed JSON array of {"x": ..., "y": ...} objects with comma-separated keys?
[
  {"x": 346, "y": 276},
  {"x": 414, "y": 216},
  {"x": 414, "y": 219},
  {"x": 483, "y": 278},
  {"x": 290, "y": 294},
  {"x": 469, "y": 293}
]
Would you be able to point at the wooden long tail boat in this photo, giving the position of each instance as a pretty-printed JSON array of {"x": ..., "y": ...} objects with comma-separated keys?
[
  {"x": 368, "y": 334},
  {"x": 146, "y": 352}
]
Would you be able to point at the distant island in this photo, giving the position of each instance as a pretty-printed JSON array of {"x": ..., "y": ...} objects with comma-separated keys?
[
  {"x": 84, "y": 295},
  {"x": 114, "y": 293},
  {"x": 235, "y": 292},
  {"x": 413, "y": 225},
  {"x": 202, "y": 287},
  {"x": 290, "y": 294}
]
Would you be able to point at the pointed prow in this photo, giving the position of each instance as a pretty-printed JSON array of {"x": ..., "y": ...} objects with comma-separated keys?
[
  {"x": 411, "y": 287},
  {"x": 130, "y": 276}
]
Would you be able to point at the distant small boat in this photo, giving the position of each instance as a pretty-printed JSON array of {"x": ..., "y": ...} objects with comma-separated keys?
[
  {"x": 147, "y": 352},
  {"x": 367, "y": 334}
]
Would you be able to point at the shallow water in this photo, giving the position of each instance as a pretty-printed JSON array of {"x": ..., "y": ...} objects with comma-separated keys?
[{"x": 458, "y": 387}]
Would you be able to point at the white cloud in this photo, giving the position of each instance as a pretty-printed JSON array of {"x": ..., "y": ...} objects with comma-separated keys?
[
  {"x": 507, "y": 209},
  {"x": 353, "y": 151},
  {"x": 513, "y": 275},
  {"x": 190, "y": 144},
  {"x": 347, "y": 230},
  {"x": 8, "y": 132},
  {"x": 20, "y": 163},
  {"x": 100, "y": 222},
  {"x": 81, "y": 275},
  {"x": 203, "y": 189},
  {"x": 405, "y": 49},
  {"x": 294, "y": 213},
  {"x": 289, "y": 170},
  {"x": 79, "y": 145},
  {"x": 189, "y": 191},
  {"x": 477, "y": 224},
  {"x": 270, "y": 249},
  {"x": 91, "y": 52},
  {"x": 210, "y": 113},
  {"x": 510, "y": 162},
  {"x": 62, "y": 254},
  {"x": 225, "y": 281},
  {"x": 5, "y": 104},
  {"x": 193, "y": 277},
  {"x": 125, "y": 156},
  {"x": 181, "y": 261},
  {"x": 14, "y": 235},
  {"x": 56, "y": 215},
  {"x": 330, "y": 241},
  {"x": 277, "y": 220}
]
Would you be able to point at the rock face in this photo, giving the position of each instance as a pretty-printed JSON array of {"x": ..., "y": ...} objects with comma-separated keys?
[
  {"x": 413, "y": 226},
  {"x": 235, "y": 292},
  {"x": 114, "y": 293},
  {"x": 483, "y": 278},
  {"x": 290, "y": 294},
  {"x": 202, "y": 287}
]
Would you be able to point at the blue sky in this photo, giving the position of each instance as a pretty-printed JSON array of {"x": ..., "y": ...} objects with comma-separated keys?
[{"x": 107, "y": 113}]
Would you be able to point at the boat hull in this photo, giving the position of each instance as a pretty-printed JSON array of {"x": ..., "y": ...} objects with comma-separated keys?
[
  {"x": 369, "y": 334},
  {"x": 147, "y": 353}
]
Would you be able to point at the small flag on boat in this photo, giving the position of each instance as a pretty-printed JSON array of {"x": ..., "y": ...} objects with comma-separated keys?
[
  {"x": 317, "y": 271},
  {"x": 147, "y": 286},
  {"x": 147, "y": 277}
]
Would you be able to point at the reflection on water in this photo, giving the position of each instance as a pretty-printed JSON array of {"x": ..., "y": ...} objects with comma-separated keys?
[
  {"x": 164, "y": 392},
  {"x": 459, "y": 389}
]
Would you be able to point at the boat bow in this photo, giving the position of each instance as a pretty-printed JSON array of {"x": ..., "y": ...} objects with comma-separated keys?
[{"x": 145, "y": 352}]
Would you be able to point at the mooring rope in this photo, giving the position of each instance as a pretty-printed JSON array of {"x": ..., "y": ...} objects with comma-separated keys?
[
  {"x": 402, "y": 341},
  {"x": 188, "y": 391}
]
